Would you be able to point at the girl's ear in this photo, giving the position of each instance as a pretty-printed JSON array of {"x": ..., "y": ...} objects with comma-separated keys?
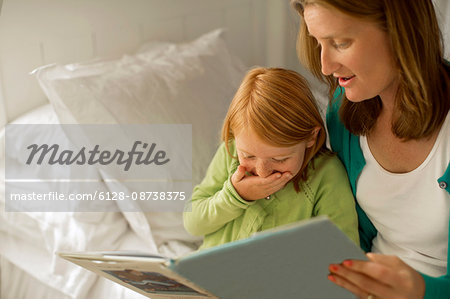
[{"x": 312, "y": 140}]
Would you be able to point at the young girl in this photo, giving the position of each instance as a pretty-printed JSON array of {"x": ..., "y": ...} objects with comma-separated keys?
[{"x": 272, "y": 167}]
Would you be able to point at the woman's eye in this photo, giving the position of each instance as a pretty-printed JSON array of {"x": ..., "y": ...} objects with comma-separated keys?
[{"x": 340, "y": 45}]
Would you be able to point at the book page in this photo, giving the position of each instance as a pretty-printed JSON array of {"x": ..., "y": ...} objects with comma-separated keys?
[{"x": 148, "y": 276}]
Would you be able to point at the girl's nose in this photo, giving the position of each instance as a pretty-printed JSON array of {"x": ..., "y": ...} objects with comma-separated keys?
[{"x": 262, "y": 169}]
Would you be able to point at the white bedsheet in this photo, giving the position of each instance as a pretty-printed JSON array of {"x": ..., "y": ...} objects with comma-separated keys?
[
  {"x": 28, "y": 242},
  {"x": 17, "y": 283}
]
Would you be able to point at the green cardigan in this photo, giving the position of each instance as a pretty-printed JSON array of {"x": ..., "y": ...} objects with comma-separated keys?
[
  {"x": 221, "y": 215},
  {"x": 347, "y": 147}
]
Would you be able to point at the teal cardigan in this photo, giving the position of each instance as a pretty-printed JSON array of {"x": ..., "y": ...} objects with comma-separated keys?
[{"x": 346, "y": 145}]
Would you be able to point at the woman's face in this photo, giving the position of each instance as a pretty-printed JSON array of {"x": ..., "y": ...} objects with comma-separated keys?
[{"x": 356, "y": 52}]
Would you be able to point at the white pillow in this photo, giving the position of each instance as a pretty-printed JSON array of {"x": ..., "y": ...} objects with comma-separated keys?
[{"x": 190, "y": 83}]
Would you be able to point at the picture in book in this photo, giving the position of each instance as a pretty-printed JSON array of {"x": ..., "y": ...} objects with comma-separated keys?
[{"x": 152, "y": 282}]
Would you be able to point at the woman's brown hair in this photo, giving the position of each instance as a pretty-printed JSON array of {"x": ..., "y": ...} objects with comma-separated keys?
[
  {"x": 422, "y": 99},
  {"x": 279, "y": 107}
]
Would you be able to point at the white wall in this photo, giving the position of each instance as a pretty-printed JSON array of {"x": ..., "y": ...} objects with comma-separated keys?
[
  {"x": 443, "y": 13},
  {"x": 282, "y": 28}
]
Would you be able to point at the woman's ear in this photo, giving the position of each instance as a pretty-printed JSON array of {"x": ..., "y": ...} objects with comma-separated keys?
[{"x": 312, "y": 140}]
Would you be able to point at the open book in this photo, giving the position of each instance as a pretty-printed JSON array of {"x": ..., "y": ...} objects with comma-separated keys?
[{"x": 286, "y": 262}]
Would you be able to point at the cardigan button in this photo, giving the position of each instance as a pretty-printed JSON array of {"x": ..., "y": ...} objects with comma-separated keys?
[{"x": 443, "y": 185}]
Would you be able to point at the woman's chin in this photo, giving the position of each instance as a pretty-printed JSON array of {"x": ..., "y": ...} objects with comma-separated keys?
[{"x": 354, "y": 97}]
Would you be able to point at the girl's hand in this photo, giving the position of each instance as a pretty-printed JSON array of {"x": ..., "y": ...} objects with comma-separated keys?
[
  {"x": 255, "y": 187},
  {"x": 384, "y": 276}
]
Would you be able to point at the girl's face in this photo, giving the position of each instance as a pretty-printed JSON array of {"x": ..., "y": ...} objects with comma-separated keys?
[
  {"x": 356, "y": 52},
  {"x": 262, "y": 159}
]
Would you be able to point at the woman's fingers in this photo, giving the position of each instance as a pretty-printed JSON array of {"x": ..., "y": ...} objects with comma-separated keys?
[
  {"x": 383, "y": 276},
  {"x": 387, "y": 269},
  {"x": 360, "y": 283},
  {"x": 404, "y": 278},
  {"x": 342, "y": 282},
  {"x": 387, "y": 260},
  {"x": 379, "y": 272}
]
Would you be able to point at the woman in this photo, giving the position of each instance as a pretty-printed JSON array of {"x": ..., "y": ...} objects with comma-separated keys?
[{"x": 388, "y": 122}]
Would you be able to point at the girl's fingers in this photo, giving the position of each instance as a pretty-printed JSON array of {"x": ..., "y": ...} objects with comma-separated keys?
[
  {"x": 256, "y": 187},
  {"x": 273, "y": 185},
  {"x": 277, "y": 179},
  {"x": 239, "y": 174}
]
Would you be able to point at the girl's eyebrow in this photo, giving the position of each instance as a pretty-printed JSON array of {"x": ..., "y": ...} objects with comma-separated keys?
[
  {"x": 274, "y": 157},
  {"x": 244, "y": 152}
]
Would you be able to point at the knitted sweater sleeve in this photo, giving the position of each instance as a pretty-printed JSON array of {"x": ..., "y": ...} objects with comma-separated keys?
[{"x": 215, "y": 202}]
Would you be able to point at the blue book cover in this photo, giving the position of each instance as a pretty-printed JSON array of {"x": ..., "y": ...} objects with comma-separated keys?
[{"x": 286, "y": 262}]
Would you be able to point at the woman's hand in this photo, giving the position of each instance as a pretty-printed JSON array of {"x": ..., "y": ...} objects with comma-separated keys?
[
  {"x": 383, "y": 276},
  {"x": 255, "y": 187}
]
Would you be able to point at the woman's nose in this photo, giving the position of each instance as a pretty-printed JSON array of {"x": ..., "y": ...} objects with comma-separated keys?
[{"x": 328, "y": 61}]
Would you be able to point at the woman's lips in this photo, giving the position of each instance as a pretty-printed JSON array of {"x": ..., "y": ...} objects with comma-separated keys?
[{"x": 345, "y": 81}]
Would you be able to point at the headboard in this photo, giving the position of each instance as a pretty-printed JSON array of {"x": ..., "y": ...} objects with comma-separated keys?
[{"x": 39, "y": 32}]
